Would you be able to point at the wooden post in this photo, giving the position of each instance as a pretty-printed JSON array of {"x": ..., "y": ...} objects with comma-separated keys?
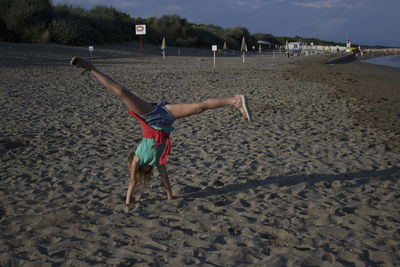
[
  {"x": 273, "y": 58},
  {"x": 214, "y": 48},
  {"x": 214, "y": 59}
]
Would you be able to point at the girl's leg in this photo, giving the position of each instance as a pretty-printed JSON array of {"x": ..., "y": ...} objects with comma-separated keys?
[
  {"x": 132, "y": 180},
  {"x": 138, "y": 105},
  {"x": 184, "y": 110}
]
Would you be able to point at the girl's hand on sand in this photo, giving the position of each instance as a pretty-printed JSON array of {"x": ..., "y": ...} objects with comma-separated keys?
[{"x": 167, "y": 198}]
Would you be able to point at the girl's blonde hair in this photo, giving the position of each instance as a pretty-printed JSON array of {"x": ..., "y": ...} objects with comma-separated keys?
[{"x": 144, "y": 172}]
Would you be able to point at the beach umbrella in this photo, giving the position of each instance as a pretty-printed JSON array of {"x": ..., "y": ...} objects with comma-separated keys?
[
  {"x": 243, "y": 48},
  {"x": 225, "y": 48},
  {"x": 163, "y": 47},
  {"x": 287, "y": 45}
]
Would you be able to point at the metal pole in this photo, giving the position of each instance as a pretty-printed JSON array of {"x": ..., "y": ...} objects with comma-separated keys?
[{"x": 141, "y": 50}]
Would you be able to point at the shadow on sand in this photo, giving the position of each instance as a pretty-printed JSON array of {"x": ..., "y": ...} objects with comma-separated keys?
[{"x": 293, "y": 180}]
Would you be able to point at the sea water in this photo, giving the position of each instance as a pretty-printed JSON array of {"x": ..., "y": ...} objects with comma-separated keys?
[{"x": 391, "y": 61}]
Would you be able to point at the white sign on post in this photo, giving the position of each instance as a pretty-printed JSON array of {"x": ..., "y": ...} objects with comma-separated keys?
[
  {"x": 140, "y": 29},
  {"x": 91, "y": 49}
]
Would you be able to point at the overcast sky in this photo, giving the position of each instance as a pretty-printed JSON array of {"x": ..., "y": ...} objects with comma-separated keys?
[{"x": 370, "y": 22}]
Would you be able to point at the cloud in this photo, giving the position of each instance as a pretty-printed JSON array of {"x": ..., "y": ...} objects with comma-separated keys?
[
  {"x": 249, "y": 3},
  {"x": 174, "y": 8},
  {"x": 329, "y": 4},
  {"x": 79, "y": 2},
  {"x": 123, "y": 4},
  {"x": 93, "y": 3}
]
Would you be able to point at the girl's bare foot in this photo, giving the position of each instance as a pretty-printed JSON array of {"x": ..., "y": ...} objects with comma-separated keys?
[
  {"x": 241, "y": 104},
  {"x": 81, "y": 63}
]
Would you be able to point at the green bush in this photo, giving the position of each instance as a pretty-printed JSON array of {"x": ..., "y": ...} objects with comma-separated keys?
[
  {"x": 172, "y": 27},
  {"x": 206, "y": 35},
  {"x": 96, "y": 26},
  {"x": 26, "y": 20},
  {"x": 107, "y": 21},
  {"x": 64, "y": 32},
  {"x": 39, "y": 21},
  {"x": 3, "y": 30}
]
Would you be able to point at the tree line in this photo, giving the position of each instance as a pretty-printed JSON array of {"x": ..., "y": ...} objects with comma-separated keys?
[{"x": 40, "y": 22}]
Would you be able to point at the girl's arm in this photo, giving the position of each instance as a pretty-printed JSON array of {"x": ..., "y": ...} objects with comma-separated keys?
[
  {"x": 164, "y": 175},
  {"x": 132, "y": 179}
]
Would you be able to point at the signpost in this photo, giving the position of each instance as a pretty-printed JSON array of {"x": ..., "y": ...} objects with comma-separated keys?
[
  {"x": 91, "y": 49},
  {"x": 214, "y": 48},
  {"x": 141, "y": 30}
]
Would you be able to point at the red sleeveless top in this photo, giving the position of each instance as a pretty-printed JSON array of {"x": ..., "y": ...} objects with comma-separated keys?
[{"x": 158, "y": 135}]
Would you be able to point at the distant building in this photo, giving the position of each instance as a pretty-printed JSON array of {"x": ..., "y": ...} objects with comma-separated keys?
[
  {"x": 265, "y": 43},
  {"x": 297, "y": 46},
  {"x": 312, "y": 48}
]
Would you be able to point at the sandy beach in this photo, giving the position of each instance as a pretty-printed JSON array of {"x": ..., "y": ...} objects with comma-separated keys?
[{"x": 312, "y": 181}]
